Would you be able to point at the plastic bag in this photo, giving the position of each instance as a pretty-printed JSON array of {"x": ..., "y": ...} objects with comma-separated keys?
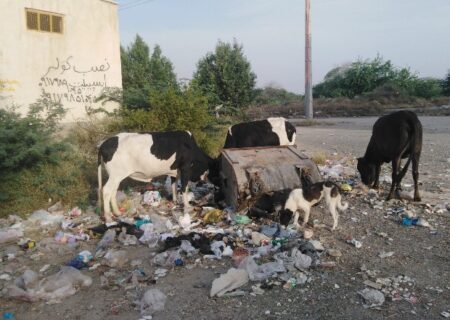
[
  {"x": 152, "y": 198},
  {"x": 107, "y": 239},
  {"x": 261, "y": 272},
  {"x": 115, "y": 258},
  {"x": 167, "y": 258},
  {"x": 301, "y": 261},
  {"x": 126, "y": 239},
  {"x": 213, "y": 216},
  {"x": 53, "y": 288},
  {"x": 233, "y": 279},
  {"x": 152, "y": 301},
  {"x": 10, "y": 235},
  {"x": 45, "y": 218},
  {"x": 149, "y": 237},
  {"x": 187, "y": 247}
]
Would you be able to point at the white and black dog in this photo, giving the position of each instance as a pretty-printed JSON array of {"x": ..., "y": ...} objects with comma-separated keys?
[
  {"x": 287, "y": 203},
  {"x": 304, "y": 198}
]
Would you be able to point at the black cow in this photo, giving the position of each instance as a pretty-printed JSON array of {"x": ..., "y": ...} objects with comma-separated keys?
[
  {"x": 270, "y": 132},
  {"x": 394, "y": 137},
  {"x": 143, "y": 156}
]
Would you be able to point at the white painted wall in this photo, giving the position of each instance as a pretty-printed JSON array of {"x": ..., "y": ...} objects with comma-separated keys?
[{"x": 73, "y": 67}]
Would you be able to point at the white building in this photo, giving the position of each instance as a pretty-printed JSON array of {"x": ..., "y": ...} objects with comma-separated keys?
[{"x": 68, "y": 49}]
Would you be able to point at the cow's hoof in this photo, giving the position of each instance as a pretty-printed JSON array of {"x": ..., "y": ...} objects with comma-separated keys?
[{"x": 391, "y": 196}]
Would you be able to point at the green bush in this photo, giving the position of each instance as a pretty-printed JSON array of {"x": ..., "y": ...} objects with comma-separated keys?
[
  {"x": 26, "y": 141},
  {"x": 372, "y": 77},
  {"x": 36, "y": 166},
  {"x": 275, "y": 96},
  {"x": 446, "y": 84},
  {"x": 32, "y": 188},
  {"x": 428, "y": 88},
  {"x": 172, "y": 109}
]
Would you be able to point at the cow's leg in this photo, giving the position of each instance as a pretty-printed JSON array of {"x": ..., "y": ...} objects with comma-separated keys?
[
  {"x": 109, "y": 191},
  {"x": 184, "y": 177},
  {"x": 415, "y": 172},
  {"x": 174, "y": 188},
  {"x": 395, "y": 165},
  {"x": 376, "y": 184},
  {"x": 402, "y": 174},
  {"x": 114, "y": 204}
]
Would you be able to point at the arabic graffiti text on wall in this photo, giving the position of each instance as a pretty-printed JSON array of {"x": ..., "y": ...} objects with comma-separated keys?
[
  {"x": 8, "y": 85},
  {"x": 66, "y": 82}
]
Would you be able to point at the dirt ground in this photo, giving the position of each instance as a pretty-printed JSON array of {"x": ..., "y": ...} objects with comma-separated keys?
[{"x": 420, "y": 254}]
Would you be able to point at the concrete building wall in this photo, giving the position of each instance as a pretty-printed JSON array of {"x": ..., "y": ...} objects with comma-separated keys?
[{"x": 72, "y": 67}]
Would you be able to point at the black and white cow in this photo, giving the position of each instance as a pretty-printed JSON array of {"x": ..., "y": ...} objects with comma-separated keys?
[
  {"x": 143, "y": 156},
  {"x": 394, "y": 137},
  {"x": 269, "y": 132}
]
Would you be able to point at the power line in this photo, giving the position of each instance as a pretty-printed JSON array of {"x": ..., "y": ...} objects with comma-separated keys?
[{"x": 137, "y": 3}]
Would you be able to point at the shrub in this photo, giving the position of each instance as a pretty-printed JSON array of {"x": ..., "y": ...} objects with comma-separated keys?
[
  {"x": 428, "y": 88},
  {"x": 31, "y": 188},
  {"x": 275, "y": 96},
  {"x": 446, "y": 84},
  {"x": 171, "y": 110},
  {"x": 26, "y": 141},
  {"x": 35, "y": 165},
  {"x": 365, "y": 76}
]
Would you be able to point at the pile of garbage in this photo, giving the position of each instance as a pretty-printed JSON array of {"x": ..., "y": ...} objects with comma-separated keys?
[{"x": 263, "y": 253}]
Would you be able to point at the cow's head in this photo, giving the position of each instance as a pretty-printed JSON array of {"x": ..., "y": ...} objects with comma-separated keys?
[
  {"x": 199, "y": 171},
  {"x": 290, "y": 132},
  {"x": 207, "y": 170},
  {"x": 367, "y": 171}
]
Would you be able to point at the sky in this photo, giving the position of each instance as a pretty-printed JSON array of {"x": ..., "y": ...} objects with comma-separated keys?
[{"x": 410, "y": 33}]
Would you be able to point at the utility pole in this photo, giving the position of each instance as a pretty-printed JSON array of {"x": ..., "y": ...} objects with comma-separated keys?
[{"x": 308, "y": 73}]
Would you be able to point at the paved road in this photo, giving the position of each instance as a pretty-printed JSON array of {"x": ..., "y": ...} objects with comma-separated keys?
[
  {"x": 430, "y": 124},
  {"x": 350, "y": 136}
]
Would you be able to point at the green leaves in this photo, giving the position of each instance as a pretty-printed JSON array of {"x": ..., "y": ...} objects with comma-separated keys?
[
  {"x": 27, "y": 141},
  {"x": 143, "y": 74},
  {"x": 225, "y": 78},
  {"x": 375, "y": 77}
]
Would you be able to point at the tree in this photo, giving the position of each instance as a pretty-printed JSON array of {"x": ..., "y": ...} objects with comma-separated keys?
[
  {"x": 136, "y": 74},
  {"x": 226, "y": 78},
  {"x": 162, "y": 76},
  {"x": 142, "y": 73},
  {"x": 446, "y": 85}
]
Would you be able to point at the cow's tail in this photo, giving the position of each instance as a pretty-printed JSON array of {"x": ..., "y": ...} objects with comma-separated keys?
[
  {"x": 229, "y": 140},
  {"x": 414, "y": 147},
  {"x": 100, "y": 182}
]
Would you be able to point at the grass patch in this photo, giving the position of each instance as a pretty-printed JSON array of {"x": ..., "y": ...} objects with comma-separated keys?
[{"x": 40, "y": 186}]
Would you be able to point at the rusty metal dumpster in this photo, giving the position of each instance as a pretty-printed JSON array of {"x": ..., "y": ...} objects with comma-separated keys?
[{"x": 248, "y": 172}]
